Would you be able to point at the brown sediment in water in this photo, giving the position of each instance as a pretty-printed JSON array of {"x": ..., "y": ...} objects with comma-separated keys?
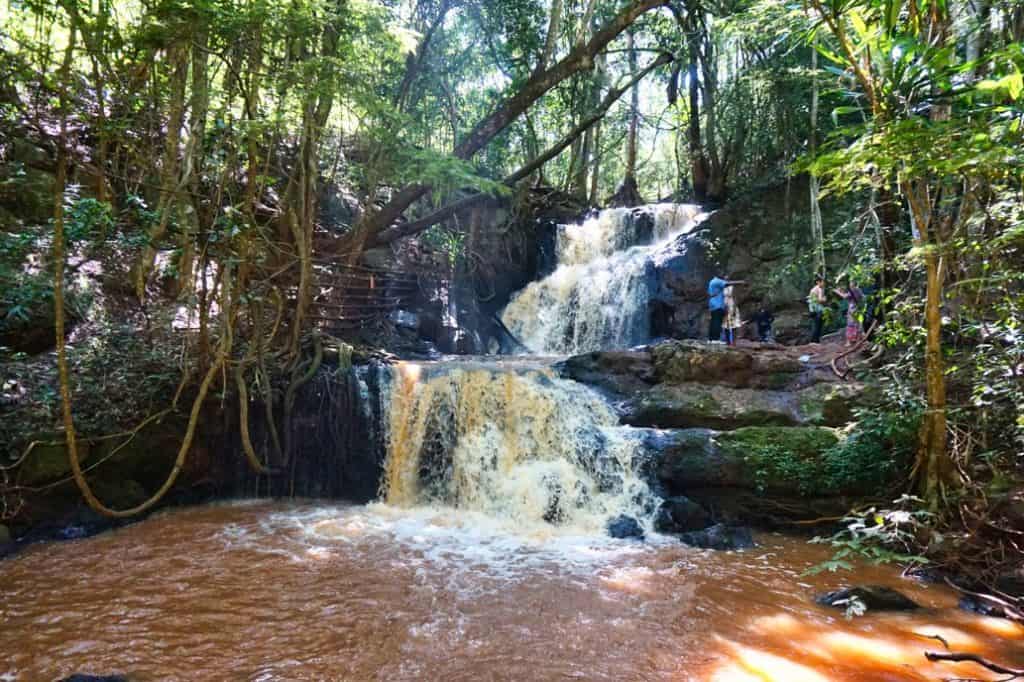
[{"x": 273, "y": 591}]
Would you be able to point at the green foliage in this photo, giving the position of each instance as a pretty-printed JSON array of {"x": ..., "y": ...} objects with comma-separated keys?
[
  {"x": 87, "y": 219},
  {"x": 448, "y": 242},
  {"x": 789, "y": 457},
  {"x": 876, "y": 454},
  {"x": 881, "y": 536}
]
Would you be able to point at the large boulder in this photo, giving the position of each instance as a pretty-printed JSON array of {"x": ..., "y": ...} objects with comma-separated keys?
[
  {"x": 690, "y": 458},
  {"x": 871, "y": 597},
  {"x": 720, "y": 537},
  {"x": 709, "y": 406},
  {"x": 680, "y": 514},
  {"x": 48, "y": 461},
  {"x": 779, "y": 459},
  {"x": 694, "y": 405},
  {"x": 620, "y": 372},
  {"x": 761, "y": 366},
  {"x": 625, "y": 527}
]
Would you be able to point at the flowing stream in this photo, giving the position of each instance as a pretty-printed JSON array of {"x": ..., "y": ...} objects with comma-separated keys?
[
  {"x": 276, "y": 591},
  {"x": 487, "y": 557}
]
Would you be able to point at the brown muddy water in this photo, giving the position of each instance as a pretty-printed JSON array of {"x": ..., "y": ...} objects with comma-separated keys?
[{"x": 306, "y": 591}]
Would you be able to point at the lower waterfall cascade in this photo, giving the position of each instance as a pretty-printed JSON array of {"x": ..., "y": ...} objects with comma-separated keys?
[
  {"x": 512, "y": 440},
  {"x": 597, "y": 297}
]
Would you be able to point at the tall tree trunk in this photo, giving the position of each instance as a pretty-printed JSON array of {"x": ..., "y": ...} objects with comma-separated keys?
[
  {"x": 690, "y": 25},
  {"x": 178, "y": 60},
  {"x": 551, "y": 38},
  {"x": 933, "y": 468},
  {"x": 595, "y": 171},
  {"x": 936, "y": 472},
  {"x": 817, "y": 230},
  {"x": 628, "y": 193},
  {"x": 199, "y": 105},
  {"x": 300, "y": 213}
]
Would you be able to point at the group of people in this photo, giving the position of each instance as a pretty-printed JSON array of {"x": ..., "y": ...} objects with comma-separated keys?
[
  {"x": 725, "y": 314},
  {"x": 817, "y": 300},
  {"x": 726, "y": 320}
]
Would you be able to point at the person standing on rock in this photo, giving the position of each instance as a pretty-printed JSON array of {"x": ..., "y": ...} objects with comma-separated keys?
[
  {"x": 764, "y": 319},
  {"x": 733, "y": 322},
  {"x": 854, "y": 297},
  {"x": 816, "y": 304},
  {"x": 716, "y": 305}
]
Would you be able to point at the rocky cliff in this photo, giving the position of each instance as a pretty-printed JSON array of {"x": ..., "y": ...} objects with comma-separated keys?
[{"x": 751, "y": 432}]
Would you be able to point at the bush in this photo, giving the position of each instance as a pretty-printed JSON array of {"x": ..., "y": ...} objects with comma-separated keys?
[{"x": 877, "y": 453}]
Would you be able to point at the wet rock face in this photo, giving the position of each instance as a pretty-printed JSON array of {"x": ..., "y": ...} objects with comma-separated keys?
[
  {"x": 873, "y": 597},
  {"x": 723, "y": 407},
  {"x": 677, "y": 362},
  {"x": 618, "y": 372},
  {"x": 981, "y": 606},
  {"x": 680, "y": 514},
  {"x": 721, "y": 537},
  {"x": 758, "y": 238},
  {"x": 624, "y": 527}
]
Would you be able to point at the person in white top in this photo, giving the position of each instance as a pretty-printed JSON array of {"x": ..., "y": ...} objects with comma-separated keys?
[{"x": 733, "y": 322}]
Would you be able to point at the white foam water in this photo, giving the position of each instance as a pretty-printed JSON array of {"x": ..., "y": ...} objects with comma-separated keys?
[{"x": 541, "y": 455}]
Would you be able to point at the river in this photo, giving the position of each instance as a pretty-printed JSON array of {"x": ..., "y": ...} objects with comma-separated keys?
[{"x": 309, "y": 591}]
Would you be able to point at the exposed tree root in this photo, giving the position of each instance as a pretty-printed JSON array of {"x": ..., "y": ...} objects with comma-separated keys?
[
  {"x": 960, "y": 656},
  {"x": 179, "y": 461},
  {"x": 289, "y": 398},
  {"x": 850, "y": 351},
  {"x": 243, "y": 423}
]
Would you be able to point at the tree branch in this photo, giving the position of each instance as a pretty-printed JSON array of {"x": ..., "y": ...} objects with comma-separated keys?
[
  {"x": 410, "y": 228},
  {"x": 959, "y": 656},
  {"x": 581, "y": 58}
]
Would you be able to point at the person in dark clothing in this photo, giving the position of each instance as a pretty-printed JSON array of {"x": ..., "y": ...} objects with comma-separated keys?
[{"x": 764, "y": 319}]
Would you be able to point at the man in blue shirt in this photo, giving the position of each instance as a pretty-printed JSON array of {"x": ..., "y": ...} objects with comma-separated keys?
[{"x": 716, "y": 304}]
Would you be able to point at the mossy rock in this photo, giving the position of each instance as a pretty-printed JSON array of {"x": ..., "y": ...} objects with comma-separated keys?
[
  {"x": 694, "y": 405},
  {"x": 33, "y": 191},
  {"x": 148, "y": 457},
  {"x": 119, "y": 493},
  {"x": 802, "y": 442},
  {"x": 685, "y": 361},
  {"x": 782, "y": 459},
  {"x": 49, "y": 462},
  {"x": 832, "y": 404}
]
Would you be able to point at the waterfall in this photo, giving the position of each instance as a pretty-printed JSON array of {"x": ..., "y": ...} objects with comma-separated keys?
[
  {"x": 511, "y": 440},
  {"x": 597, "y": 297}
]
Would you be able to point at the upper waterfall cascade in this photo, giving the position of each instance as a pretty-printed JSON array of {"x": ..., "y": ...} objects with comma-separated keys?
[{"x": 597, "y": 297}]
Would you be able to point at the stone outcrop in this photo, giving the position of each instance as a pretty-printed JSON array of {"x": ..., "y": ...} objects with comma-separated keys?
[
  {"x": 690, "y": 459},
  {"x": 741, "y": 431},
  {"x": 868, "y": 597},
  {"x": 690, "y": 384}
]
